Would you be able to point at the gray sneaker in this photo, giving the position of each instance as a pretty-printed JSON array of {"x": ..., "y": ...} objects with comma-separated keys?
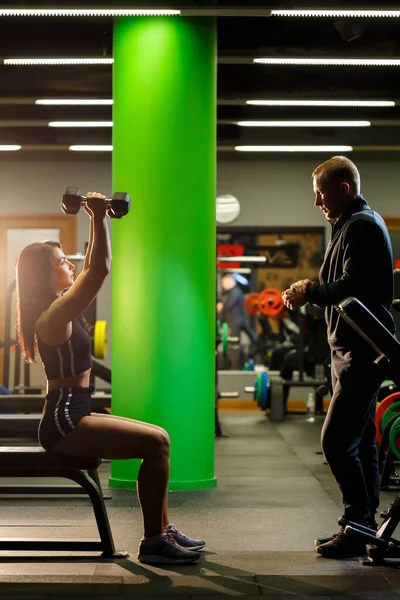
[{"x": 165, "y": 552}]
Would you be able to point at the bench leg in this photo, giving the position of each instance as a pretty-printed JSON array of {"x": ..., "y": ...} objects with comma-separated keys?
[
  {"x": 99, "y": 509},
  {"x": 95, "y": 476}
]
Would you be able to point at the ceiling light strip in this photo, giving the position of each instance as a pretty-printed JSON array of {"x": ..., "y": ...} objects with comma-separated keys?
[
  {"x": 294, "y": 148},
  {"x": 74, "y": 102},
  {"x": 57, "y": 61},
  {"x": 220, "y": 148},
  {"x": 335, "y": 13},
  {"x": 357, "y": 62},
  {"x": 87, "y": 12},
  {"x": 355, "y": 103},
  {"x": 91, "y": 148},
  {"x": 9, "y": 147},
  {"x": 81, "y": 124},
  {"x": 304, "y": 123},
  {"x": 254, "y": 259}
]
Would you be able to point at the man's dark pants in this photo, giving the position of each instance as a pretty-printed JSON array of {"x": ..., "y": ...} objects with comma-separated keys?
[{"x": 348, "y": 434}]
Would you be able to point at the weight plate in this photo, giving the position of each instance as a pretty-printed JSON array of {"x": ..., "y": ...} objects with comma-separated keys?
[
  {"x": 394, "y": 440},
  {"x": 380, "y": 411},
  {"x": 224, "y": 338},
  {"x": 270, "y": 302},
  {"x": 264, "y": 390},
  {"x": 251, "y": 304},
  {"x": 389, "y": 414},
  {"x": 259, "y": 390},
  {"x": 100, "y": 339}
]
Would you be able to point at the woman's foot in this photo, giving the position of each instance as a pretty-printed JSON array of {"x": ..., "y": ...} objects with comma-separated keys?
[
  {"x": 164, "y": 550},
  {"x": 183, "y": 540}
]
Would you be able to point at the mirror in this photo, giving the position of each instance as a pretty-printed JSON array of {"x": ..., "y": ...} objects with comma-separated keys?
[{"x": 228, "y": 208}]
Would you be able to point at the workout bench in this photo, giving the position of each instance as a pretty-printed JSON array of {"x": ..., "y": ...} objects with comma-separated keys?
[{"x": 36, "y": 462}]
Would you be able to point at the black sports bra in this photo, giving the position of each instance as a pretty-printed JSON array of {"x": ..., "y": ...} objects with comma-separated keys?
[{"x": 69, "y": 359}]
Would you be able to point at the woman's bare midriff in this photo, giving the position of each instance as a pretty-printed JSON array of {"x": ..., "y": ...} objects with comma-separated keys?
[{"x": 81, "y": 380}]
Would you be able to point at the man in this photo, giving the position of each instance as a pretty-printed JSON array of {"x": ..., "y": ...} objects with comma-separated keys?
[
  {"x": 358, "y": 262},
  {"x": 230, "y": 310}
]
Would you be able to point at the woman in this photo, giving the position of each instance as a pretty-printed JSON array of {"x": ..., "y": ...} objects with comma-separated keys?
[{"x": 49, "y": 322}]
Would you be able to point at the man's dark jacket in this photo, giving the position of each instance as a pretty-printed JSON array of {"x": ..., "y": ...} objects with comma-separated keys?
[{"x": 358, "y": 262}]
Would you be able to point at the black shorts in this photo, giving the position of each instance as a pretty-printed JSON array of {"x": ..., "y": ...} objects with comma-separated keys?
[{"x": 62, "y": 411}]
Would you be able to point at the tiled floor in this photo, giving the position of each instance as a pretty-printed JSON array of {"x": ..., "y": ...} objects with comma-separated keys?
[{"x": 274, "y": 496}]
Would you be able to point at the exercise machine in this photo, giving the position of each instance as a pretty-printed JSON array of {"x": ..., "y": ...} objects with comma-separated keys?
[{"x": 382, "y": 548}]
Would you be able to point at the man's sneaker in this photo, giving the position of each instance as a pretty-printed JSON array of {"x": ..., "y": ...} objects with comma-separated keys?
[
  {"x": 183, "y": 540},
  {"x": 165, "y": 552},
  {"x": 320, "y": 541},
  {"x": 342, "y": 546}
]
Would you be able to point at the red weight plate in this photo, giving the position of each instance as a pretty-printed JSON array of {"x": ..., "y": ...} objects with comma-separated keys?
[
  {"x": 270, "y": 302},
  {"x": 380, "y": 411},
  {"x": 251, "y": 304}
]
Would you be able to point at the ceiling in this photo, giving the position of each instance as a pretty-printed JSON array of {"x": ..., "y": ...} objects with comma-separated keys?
[{"x": 240, "y": 39}]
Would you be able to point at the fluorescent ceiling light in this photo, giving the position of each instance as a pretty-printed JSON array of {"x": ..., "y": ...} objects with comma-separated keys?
[
  {"x": 304, "y": 123},
  {"x": 229, "y": 270},
  {"x": 81, "y": 124},
  {"x": 254, "y": 259},
  {"x": 76, "y": 102},
  {"x": 357, "y": 103},
  {"x": 357, "y": 62},
  {"x": 58, "y": 61},
  {"x": 293, "y": 148},
  {"x": 86, "y": 12},
  {"x": 93, "y": 148},
  {"x": 334, "y": 13},
  {"x": 9, "y": 148}
]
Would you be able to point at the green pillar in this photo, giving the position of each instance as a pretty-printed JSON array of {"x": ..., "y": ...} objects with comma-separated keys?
[{"x": 163, "y": 273}]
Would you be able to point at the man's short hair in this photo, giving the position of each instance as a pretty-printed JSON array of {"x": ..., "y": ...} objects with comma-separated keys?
[{"x": 340, "y": 168}]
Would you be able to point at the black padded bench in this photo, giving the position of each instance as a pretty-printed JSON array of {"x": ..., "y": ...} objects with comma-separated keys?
[{"x": 36, "y": 462}]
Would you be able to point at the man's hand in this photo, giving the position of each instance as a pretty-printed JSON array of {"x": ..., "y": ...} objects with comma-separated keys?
[
  {"x": 220, "y": 307},
  {"x": 301, "y": 286},
  {"x": 292, "y": 299}
]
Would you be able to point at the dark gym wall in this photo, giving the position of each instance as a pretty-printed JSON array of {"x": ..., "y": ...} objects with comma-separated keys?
[{"x": 279, "y": 192}]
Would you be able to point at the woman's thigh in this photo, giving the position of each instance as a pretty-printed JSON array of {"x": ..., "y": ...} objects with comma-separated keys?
[
  {"x": 112, "y": 438},
  {"x": 116, "y": 417}
]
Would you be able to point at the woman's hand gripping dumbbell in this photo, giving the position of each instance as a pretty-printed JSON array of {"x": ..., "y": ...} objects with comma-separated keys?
[{"x": 117, "y": 206}]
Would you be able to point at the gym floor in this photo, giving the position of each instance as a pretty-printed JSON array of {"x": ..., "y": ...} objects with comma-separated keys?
[{"x": 274, "y": 496}]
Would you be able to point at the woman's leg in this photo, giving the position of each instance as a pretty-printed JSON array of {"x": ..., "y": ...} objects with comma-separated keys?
[
  {"x": 116, "y": 417},
  {"x": 113, "y": 438}
]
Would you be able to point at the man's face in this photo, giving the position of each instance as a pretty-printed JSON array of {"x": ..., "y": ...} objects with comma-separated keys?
[
  {"x": 228, "y": 282},
  {"x": 330, "y": 195}
]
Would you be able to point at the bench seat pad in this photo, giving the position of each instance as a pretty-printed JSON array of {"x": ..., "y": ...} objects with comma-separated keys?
[{"x": 21, "y": 458}]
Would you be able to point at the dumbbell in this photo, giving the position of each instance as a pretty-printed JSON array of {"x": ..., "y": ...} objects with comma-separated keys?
[{"x": 117, "y": 206}]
